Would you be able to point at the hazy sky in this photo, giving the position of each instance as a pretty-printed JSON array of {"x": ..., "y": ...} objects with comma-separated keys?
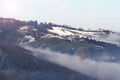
[{"x": 92, "y": 14}]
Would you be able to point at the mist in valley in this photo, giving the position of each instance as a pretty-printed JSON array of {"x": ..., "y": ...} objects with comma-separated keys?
[{"x": 97, "y": 69}]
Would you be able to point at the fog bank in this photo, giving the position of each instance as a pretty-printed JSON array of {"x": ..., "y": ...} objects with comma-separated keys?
[
  {"x": 99, "y": 70},
  {"x": 113, "y": 38}
]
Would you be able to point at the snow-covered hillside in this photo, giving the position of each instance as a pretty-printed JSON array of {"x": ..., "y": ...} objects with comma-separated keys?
[
  {"x": 99, "y": 35},
  {"x": 70, "y": 34}
]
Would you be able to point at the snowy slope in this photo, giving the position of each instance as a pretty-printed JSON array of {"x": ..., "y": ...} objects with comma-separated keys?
[
  {"x": 65, "y": 32},
  {"x": 69, "y": 33},
  {"x": 97, "y": 35}
]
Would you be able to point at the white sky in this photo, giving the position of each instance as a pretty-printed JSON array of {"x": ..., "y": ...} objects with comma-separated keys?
[{"x": 89, "y": 14}]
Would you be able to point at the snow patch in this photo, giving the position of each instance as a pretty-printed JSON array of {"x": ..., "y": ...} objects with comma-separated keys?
[
  {"x": 61, "y": 31},
  {"x": 96, "y": 35},
  {"x": 51, "y": 36},
  {"x": 23, "y": 28},
  {"x": 30, "y": 38},
  {"x": 69, "y": 32}
]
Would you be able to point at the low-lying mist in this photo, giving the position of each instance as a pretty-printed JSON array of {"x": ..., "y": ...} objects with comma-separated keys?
[
  {"x": 112, "y": 38},
  {"x": 99, "y": 70}
]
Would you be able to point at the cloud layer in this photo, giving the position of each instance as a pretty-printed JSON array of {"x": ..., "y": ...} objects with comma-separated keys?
[{"x": 99, "y": 70}]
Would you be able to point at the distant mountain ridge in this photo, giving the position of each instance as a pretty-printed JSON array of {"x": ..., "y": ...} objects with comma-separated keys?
[
  {"x": 37, "y": 30},
  {"x": 96, "y": 45},
  {"x": 61, "y": 38}
]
